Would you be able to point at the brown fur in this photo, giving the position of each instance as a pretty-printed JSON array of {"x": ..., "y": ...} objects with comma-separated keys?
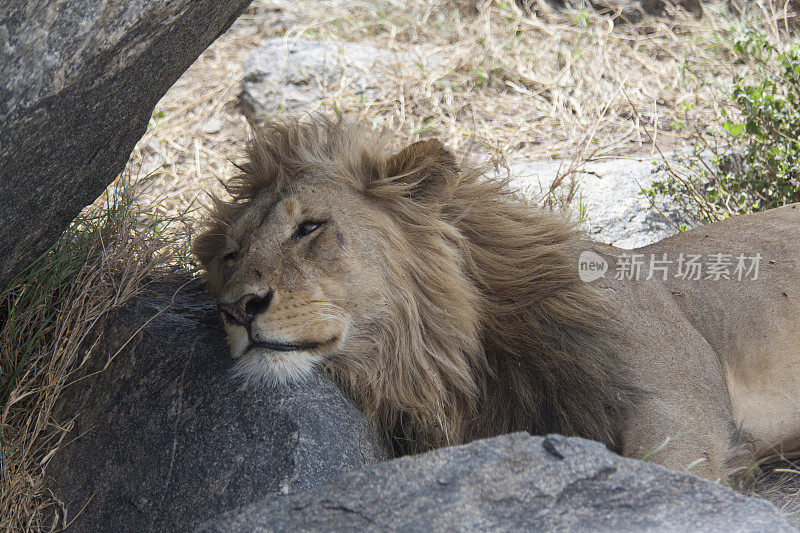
[{"x": 485, "y": 328}]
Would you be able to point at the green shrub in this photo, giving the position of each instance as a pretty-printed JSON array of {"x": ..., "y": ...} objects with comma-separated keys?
[{"x": 752, "y": 163}]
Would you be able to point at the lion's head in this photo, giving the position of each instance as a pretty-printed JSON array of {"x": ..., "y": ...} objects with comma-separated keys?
[{"x": 441, "y": 303}]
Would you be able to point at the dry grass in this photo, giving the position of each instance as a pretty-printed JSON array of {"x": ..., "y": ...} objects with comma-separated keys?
[
  {"x": 490, "y": 78},
  {"x": 779, "y": 482},
  {"x": 47, "y": 321}
]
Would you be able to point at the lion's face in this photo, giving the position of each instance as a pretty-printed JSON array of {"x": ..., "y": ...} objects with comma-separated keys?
[
  {"x": 299, "y": 271},
  {"x": 331, "y": 251}
]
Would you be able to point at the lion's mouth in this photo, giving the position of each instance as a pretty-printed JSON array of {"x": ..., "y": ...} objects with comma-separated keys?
[{"x": 281, "y": 347}]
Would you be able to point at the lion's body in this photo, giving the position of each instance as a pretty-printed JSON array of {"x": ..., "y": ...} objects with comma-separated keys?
[
  {"x": 449, "y": 309},
  {"x": 721, "y": 357}
]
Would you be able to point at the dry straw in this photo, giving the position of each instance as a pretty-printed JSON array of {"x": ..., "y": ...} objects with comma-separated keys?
[
  {"x": 487, "y": 77},
  {"x": 50, "y": 316}
]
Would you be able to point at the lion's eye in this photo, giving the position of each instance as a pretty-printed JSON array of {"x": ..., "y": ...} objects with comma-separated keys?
[
  {"x": 306, "y": 228},
  {"x": 230, "y": 256}
]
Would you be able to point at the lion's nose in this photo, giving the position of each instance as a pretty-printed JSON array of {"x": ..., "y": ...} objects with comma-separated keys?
[{"x": 248, "y": 306}]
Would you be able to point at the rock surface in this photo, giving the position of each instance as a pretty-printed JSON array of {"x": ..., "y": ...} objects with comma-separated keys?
[
  {"x": 615, "y": 212},
  {"x": 164, "y": 438},
  {"x": 78, "y": 82},
  {"x": 292, "y": 76},
  {"x": 510, "y": 483}
]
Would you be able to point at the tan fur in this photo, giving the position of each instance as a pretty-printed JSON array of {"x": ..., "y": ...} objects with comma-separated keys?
[{"x": 442, "y": 303}]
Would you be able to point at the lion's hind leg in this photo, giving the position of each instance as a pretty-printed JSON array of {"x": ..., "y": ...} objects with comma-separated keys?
[
  {"x": 681, "y": 436},
  {"x": 764, "y": 388}
]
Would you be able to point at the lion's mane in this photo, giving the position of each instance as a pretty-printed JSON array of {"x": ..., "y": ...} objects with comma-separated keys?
[{"x": 489, "y": 328}]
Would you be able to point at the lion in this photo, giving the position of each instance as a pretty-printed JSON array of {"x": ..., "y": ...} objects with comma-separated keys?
[{"x": 449, "y": 308}]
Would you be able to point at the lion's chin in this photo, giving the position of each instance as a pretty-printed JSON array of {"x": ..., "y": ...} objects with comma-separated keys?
[{"x": 260, "y": 366}]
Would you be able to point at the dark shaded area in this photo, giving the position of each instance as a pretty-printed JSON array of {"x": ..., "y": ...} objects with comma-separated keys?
[
  {"x": 165, "y": 437},
  {"x": 624, "y": 10},
  {"x": 78, "y": 82}
]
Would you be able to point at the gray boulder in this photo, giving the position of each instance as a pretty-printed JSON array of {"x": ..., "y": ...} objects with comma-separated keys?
[
  {"x": 78, "y": 83},
  {"x": 615, "y": 211},
  {"x": 291, "y": 76},
  {"x": 165, "y": 438},
  {"x": 511, "y": 483}
]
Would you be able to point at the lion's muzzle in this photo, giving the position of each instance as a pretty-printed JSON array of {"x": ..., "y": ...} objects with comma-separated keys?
[{"x": 246, "y": 308}]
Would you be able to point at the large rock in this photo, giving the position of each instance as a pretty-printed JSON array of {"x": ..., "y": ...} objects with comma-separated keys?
[
  {"x": 511, "y": 483},
  {"x": 165, "y": 437},
  {"x": 292, "y": 76},
  {"x": 609, "y": 192},
  {"x": 78, "y": 83}
]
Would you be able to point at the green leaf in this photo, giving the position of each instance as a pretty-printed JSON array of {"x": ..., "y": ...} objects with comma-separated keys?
[{"x": 733, "y": 129}]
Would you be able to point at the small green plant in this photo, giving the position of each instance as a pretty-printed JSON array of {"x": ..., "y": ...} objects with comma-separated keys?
[
  {"x": 753, "y": 162},
  {"x": 583, "y": 208},
  {"x": 657, "y": 448}
]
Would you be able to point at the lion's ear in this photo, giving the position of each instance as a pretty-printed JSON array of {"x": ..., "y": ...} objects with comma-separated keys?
[
  {"x": 427, "y": 168},
  {"x": 207, "y": 247}
]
